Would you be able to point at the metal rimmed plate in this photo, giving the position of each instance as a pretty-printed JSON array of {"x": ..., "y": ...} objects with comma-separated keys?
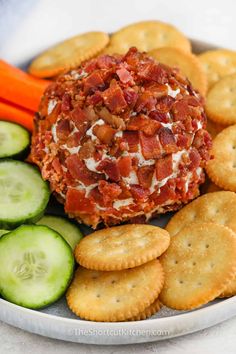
[{"x": 57, "y": 321}]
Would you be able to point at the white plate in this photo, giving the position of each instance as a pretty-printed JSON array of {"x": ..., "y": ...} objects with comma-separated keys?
[{"x": 57, "y": 321}]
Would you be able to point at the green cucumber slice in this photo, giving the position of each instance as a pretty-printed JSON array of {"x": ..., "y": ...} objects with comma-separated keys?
[
  {"x": 23, "y": 194},
  {"x": 14, "y": 140},
  {"x": 3, "y": 232},
  {"x": 64, "y": 227},
  {"x": 36, "y": 266}
]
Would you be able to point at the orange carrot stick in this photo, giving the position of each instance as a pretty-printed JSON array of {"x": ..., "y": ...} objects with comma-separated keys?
[
  {"x": 16, "y": 114},
  {"x": 23, "y": 92},
  {"x": 4, "y": 66}
]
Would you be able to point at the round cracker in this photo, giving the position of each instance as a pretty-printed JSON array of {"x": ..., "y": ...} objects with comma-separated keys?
[
  {"x": 188, "y": 64},
  {"x": 68, "y": 54},
  {"x": 221, "y": 101},
  {"x": 147, "y": 312},
  {"x": 146, "y": 36},
  {"x": 114, "y": 296},
  {"x": 121, "y": 247},
  {"x": 222, "y": 169},
  {"x": 198, "y": 265},
  {"x": 217, "y": 64},
  {"x": 216, "y": 207}
]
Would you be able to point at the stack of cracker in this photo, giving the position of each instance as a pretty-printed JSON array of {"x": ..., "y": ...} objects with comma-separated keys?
[
  {"x": 219, "y": 68},
  {"x": 119, "y": 277},
  {"x": 200, "y": 263}
]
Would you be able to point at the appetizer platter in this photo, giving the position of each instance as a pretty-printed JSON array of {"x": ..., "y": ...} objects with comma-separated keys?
[{"x": 118, "y": 181}]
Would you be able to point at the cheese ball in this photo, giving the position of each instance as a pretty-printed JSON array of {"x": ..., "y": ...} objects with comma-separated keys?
[{"x": 121, "y": 138}]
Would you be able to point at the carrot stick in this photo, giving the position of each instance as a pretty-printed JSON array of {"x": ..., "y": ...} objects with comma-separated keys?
[
  {"x": 4, "y": 66},
  {"x": 16, "y": 114},
  {"x": 24, "y": 92}
]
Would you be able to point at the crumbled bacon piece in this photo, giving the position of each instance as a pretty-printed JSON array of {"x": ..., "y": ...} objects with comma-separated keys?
[
  {"x": 124, "y": 165},
  {"x": 63, "y": 129},
  {"x": 151, "y": 147},
  {"x": 146, "y": 102},
  {"x": 145, "y": 175},
  {"x": 79, "y": 171},
  {"x": 53, "y": 116},
  {"x": 167, "y": 192},
  {"x": 95, "y": 99},
  {"x": 142, "y": 122},
  {"x": 109, "y": 191},
  {"x": 114, "y": 99},
  {"x": 106, "y": 61},
  {"x": 195, "y": 159},
  {"x": 78, "y": 116},
  {"x": 124, "y": 75},
  {"x": 130, "y": 96},
  {"x": 74, "y": 140},
  {"x": 153, "y": 72},
  {"x": 57, "y": 166},
  {"x": 158, "y": 90},
  {"x": 203, "y": 143},
  {"x": 132, "y": 139},
  {"x": 77, "y": 203},
  {"x": 160, "y": 117},
  {"x": 87, "y": 150},
  {"x": 164, "y": 167},
  {"x": 66, "y": 103},
  {"x": 167, "y": 140},
  {"x": 93, "y": 82},
  {"x": 165, "y": 104},
  {"x": 113, "y": 120},
  {"x": 104, "y": 133},
  {"x": 138, "y": 192},
  {"x": 110, "y": 167},
  {"x": 184, "y": 141},
  {"x": 186, "y": 107},
  {"x": 90, "y": 66}
]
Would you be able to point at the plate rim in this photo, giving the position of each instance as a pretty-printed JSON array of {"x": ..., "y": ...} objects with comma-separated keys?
[
  {"x": 90, "y": 332},
  {"x": 190, "y": 313}
]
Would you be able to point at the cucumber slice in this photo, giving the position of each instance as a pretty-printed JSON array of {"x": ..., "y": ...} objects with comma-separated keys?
[
  {"x": 23, "y": 194},
  {"x": 36, "y": 266},
  {"x": 3, "y": 232},
  {"x": 64, "y": 227},
  {"x": 14, "y": 140}
]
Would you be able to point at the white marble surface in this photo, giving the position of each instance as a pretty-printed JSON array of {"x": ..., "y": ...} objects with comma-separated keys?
[{"x": 28, "y": 26}]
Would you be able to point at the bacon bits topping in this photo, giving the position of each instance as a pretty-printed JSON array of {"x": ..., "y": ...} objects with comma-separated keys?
[
  {"x": 77, "y": 203},
  {"x": 164, "y": 167},
  {"x": 121, "y": 138},
  {"x": 114, "y": 99},
  {"x": 151, "y": 147}
]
